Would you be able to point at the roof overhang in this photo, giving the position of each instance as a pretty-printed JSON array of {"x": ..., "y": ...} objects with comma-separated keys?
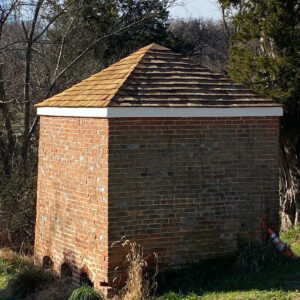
[{"x": 160, "y": 112}]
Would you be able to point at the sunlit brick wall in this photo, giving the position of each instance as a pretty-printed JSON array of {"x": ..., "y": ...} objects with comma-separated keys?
[{"x": 72, "y": 198}]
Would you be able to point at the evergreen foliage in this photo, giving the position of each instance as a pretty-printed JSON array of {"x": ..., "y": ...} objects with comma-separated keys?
[
  {"x": 265, "y": 56},
  {"x": 150, "y": 19},
  {"x": 266, "y": 50}
]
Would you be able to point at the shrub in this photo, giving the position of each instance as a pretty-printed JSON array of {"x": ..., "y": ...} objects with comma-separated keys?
[
  {"x": 85, "y": 293},
  {"x": 17, "y": 208}
]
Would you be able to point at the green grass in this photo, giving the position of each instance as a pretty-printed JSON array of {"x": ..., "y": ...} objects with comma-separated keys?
[
  {"x": 85, "y": 293},
  {"x": 239, "y": 295},
  {"x": 3, "y": 281},
  {"x": 10, "y": 265},
  {"x": 253, "y": 273},
  {"x": 292, "y": 238},
  {"x": 19, "y": 278}
]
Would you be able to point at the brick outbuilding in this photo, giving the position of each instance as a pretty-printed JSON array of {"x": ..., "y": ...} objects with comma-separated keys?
[{"x": 160, "y": 150}]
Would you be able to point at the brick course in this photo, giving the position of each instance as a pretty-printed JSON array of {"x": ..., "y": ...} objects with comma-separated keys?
[
  {"x": 72, "y": 213},
  {"x": 186, "y": 188}
]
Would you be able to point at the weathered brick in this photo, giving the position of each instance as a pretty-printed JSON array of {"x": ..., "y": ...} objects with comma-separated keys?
[{"x": 184, "y": 188}]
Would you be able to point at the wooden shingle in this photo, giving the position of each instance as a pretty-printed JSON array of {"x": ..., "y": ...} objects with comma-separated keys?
[{"x": 155, "y": 76}]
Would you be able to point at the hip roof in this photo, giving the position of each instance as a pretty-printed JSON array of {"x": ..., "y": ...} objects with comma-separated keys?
[{"x": 155, "y": 76}]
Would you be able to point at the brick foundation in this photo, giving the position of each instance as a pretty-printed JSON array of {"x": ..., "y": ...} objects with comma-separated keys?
[{"x": 184, "y": 188}]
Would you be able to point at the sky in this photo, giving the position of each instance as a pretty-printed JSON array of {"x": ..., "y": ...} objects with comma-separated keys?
[{"x": 197, "y": 8}]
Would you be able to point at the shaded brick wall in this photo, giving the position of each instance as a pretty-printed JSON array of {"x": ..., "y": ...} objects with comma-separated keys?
[
  {"x": 72, "y": 195},
  {"x": 184, "y": 188},
  {"x": 189, "y": 188}
]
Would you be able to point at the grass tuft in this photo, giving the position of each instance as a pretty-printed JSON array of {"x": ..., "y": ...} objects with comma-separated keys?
[{"x": 85, "y": 293}]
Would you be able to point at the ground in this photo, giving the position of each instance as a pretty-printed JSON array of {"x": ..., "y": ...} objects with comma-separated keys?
[
  {"x": 260, "y": 276},
  {"x": 252, "y": 273}
]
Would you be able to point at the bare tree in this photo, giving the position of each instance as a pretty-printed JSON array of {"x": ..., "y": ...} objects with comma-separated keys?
[
  {"x": 7, "y": 147},
  {"x": 47, "y": 61},
  {"x": 205, "y": 41}
]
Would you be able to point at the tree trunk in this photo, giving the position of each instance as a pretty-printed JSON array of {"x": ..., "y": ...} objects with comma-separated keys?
[
  {"x": 27, "y": 103},
  {"x": 226, "y": 27},
  {"x": 27, "y": 100},
  {"x": 290, "y": 182},
  {"x": 8, "y": 145}
]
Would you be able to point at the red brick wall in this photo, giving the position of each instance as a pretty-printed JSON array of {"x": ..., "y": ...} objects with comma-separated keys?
[
  {"x": 72, "y": 195},
  {"x": 184, "y": 188},
  {"x": 189, "y": 188}
]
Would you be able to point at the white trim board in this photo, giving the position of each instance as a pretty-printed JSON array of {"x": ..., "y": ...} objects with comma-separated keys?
[{"x": 159, "y": 112}]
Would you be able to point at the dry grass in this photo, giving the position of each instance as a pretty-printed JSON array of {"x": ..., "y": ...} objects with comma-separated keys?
[
  {"x": 139, "y": 285},
  {"x": 60, "y": 289},
  {"x": 21, "y": 274},
  {"x": 15, "y": 259}
]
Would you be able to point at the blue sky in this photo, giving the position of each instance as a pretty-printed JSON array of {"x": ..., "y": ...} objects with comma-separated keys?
[{"x": 197, "y": 8}]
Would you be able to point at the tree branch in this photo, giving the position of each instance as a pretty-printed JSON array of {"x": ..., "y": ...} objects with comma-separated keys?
[
  {"x": 62, "y": 46},
  {"x": 51, "y": 22},
  {"x": 84, "y": 52}
]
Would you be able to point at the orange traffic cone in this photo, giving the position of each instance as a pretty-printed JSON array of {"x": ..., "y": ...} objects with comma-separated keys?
[{"x": 280, "y": 245}]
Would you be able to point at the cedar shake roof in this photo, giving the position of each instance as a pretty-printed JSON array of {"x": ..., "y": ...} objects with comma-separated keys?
[{"x": 155, "y": 76}]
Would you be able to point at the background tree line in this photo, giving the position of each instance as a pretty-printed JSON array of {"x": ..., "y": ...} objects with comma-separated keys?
[{"x": 47, "y": 46}]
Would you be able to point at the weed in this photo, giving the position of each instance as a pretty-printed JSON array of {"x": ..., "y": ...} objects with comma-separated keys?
[{"x": 139, "y": 286}]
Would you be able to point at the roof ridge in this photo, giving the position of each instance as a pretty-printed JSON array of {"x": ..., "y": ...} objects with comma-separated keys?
[
  {"x": 152, "y": 46},
  {"x": 122, "y": 82}
]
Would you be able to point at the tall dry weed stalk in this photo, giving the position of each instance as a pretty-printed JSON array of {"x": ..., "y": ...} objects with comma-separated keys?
[{"x": 139, "y": 285}]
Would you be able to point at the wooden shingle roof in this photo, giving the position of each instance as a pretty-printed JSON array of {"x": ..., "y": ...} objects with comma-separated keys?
[{"x": 155, "y": 76}]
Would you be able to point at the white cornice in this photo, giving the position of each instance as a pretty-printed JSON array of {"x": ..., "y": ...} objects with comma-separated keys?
[{"x": 159, "y": 112}]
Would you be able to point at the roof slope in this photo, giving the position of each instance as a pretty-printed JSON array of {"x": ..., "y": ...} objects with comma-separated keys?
[{"x": 157, "y": 77}]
